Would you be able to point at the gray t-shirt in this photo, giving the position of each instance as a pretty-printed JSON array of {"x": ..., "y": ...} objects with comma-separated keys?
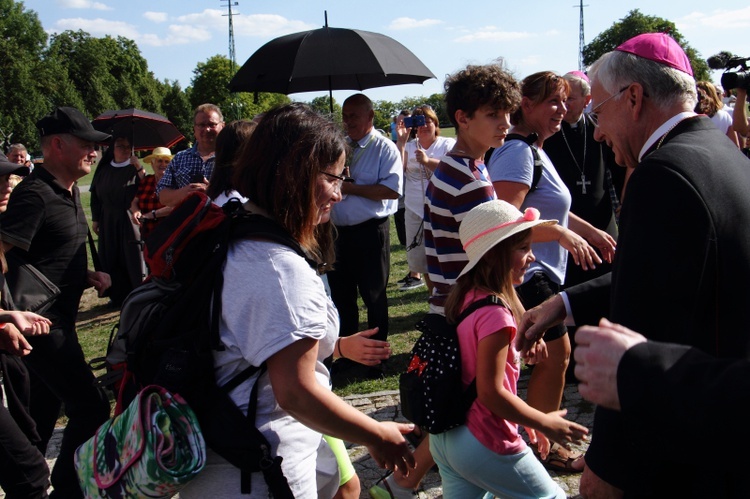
[{"x": 271, "y": 298}]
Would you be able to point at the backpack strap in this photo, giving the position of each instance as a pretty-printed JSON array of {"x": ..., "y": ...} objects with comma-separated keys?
[
  {"x": 470, "y": 394},
  {"x": 244, "y": 225},
  {"x": 538, "y": 163},
  {"x": 254, "y": 226}
]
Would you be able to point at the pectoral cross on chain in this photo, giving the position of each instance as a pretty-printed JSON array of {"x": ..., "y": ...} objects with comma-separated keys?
[{"x": 583, "y": 183}]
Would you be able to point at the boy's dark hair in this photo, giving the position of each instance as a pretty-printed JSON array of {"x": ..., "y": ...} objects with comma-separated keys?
[{"x": 477, "y": 86}]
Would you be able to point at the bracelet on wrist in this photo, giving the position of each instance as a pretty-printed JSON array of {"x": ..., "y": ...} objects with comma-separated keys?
[
  {"x": 341, "y": 352},
  {"x": 153, "y": 214}
]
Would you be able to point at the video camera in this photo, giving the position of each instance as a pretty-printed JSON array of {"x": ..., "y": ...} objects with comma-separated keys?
[
  {"x": 415, "y": 121},
  {"x": 728, "y": 61}
]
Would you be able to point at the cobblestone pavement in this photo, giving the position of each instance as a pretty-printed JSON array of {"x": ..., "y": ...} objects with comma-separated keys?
[{"x": 385, "y": 406}]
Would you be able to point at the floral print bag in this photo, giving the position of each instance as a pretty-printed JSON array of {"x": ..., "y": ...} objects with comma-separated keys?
[{"x": 151, "y": 450}]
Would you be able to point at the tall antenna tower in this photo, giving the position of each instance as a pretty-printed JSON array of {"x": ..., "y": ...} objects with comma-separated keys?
[
  {"x": 230, "y": 14},
  {"x": 581, "y": 42},
  {"x": 234, "y": 102}
]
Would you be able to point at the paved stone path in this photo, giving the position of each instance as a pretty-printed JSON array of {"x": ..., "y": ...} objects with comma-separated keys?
[{"x": 385, "y": 406}]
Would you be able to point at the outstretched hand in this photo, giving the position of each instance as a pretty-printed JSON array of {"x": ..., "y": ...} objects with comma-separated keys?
[
  {"x": 360, "y": 348},
  {"x": 536, "y": 321},
  {"x": 392, "y": 452},
  {"x": 598, "y": 353},
  {"x": 27, "y": 323},
  {"x": 584, "y": 255},
  {"x": 11, "y": 340}
]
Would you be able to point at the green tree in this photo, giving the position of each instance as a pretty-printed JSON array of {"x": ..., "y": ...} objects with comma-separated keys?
[
  {"x": 323, "y": 106},
  {"x": 23, "y": 90},
  {"x": 210, "y": 83},
  {"x": 176, "y": 108},
  {"x": 636, "y": 23},
  {"x": 108, "y": 73}
]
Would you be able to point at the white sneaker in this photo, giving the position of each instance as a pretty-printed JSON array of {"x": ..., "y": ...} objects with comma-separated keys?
[{"x": 387, "y": 488}]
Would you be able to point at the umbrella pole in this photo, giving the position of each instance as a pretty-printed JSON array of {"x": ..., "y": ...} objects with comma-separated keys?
[{"x": 330, "y": 89}]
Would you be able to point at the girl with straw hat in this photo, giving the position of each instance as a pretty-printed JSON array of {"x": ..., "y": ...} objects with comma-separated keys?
[{"x": 488, "y": 454}]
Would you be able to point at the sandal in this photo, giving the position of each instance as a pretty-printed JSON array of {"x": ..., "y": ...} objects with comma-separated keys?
[{"x": 561, "y": 460}]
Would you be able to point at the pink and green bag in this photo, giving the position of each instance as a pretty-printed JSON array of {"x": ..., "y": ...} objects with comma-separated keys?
[{"x": 150, "y": 450}]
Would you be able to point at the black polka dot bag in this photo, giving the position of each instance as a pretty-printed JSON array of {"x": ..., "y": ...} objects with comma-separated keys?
[{"x": 432, "y": 394}]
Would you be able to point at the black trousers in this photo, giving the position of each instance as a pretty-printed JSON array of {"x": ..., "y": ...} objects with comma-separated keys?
[
  {"x": 61, "y": 377},
  {"x": 23, "y": 470},
  {"x": 399, "y": 220},
  {"x": 363, "y": 262}
]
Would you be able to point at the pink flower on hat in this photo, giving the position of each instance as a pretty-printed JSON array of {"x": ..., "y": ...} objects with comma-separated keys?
[{"x": 531, "y": 215}]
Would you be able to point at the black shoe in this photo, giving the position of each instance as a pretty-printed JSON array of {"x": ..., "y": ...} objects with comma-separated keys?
[
  {"x": 411, "y": 283},
  {"x": 405, "y": 278}
]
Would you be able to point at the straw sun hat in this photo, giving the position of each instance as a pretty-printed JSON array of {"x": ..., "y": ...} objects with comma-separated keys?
[
  {"x": 489, "y": 223},
  {"x": 158, "y": 153}
]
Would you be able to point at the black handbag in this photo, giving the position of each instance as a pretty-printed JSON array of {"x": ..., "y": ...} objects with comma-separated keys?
[{"x": 29, "y": 289}]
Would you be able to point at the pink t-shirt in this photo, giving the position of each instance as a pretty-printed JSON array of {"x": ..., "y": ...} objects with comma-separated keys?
[{"x": 495, "y": 433}]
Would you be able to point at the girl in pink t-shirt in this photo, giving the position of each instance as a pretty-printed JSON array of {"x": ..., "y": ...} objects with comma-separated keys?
[{"x": 487, "y": 454}]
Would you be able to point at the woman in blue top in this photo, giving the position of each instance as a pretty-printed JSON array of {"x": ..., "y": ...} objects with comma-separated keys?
[{"x": 511, "y": 169}]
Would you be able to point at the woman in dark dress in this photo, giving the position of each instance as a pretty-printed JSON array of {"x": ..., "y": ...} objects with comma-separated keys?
[{"x": 112, "y": 190}]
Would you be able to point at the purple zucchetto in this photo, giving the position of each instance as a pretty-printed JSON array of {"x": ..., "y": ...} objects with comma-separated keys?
[{"x": 658, "y": 47}]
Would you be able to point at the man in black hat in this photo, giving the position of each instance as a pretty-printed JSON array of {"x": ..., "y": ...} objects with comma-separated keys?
[{"x": 45, "y": 222}]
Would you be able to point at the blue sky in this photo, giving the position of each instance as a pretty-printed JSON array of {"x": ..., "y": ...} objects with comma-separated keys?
[{"x": 175, "y": 35}]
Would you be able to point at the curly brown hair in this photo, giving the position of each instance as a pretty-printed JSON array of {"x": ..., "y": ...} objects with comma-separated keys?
[{"x": 477, "y": 86}]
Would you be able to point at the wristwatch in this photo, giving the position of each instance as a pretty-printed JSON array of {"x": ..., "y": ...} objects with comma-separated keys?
[{"x": 153, "y": 213}]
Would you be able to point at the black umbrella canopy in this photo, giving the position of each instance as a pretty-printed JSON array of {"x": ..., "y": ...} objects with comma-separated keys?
[
  {"x": 146, "y": 130},
  {"x": 329, "y": 59}
]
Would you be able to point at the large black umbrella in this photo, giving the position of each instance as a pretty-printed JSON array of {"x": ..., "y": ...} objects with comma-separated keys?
[
  {"x": 145, "y": 130},
  {"x": 329, "y": 59}
]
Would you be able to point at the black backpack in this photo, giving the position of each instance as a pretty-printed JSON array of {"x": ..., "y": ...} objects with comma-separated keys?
[
  {"x": 538, "y": 163},
  {"x": 432, "y": 394},
  {"x": 169, "y": 329}
]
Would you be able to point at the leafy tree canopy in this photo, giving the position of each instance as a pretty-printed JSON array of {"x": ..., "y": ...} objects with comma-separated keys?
[
  {"x": 22, "y": 92},
  {"x": 210, "y": 83},
  {"x": 636, "y": 23}
]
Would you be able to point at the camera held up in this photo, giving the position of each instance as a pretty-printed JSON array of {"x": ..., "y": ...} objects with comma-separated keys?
[
  {"x": 414, "y": 121},
  {"x": 727, "y": 61}
]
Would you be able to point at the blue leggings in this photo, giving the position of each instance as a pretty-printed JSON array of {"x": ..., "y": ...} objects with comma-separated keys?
[{"x": 468, "y": 469}]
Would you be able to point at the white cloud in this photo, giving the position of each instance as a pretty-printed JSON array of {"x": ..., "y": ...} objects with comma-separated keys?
[
  {"x": 253, "y": 25},
  {"x": 267, "y": 25},
  {"x": 98, "y": 27},
  {"x": 718, "y": 19},
  {"x": 177, "y": 34},
  {"x": 190, "y": 28},
  {"x": 82, "y": 4},
  {"x": 157, "y": 17},
  {"x": 493, "y": 34},
  {"x": 409, "y": 23}
]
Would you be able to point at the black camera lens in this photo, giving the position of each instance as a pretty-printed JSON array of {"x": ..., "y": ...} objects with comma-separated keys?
[{"x": 735, "y": 80}]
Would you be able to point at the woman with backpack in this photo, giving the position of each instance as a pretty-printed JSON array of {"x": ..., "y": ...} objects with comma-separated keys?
[
  {"x": 275, "y": 311},
  {"x": 488, "y": 454}
]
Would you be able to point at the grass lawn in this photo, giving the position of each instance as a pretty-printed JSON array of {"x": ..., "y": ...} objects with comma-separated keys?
[{"x": 406, "y": 308}]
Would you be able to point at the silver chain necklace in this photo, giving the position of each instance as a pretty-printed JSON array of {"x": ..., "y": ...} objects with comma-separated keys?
[{"x": 581, "y": 168}]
